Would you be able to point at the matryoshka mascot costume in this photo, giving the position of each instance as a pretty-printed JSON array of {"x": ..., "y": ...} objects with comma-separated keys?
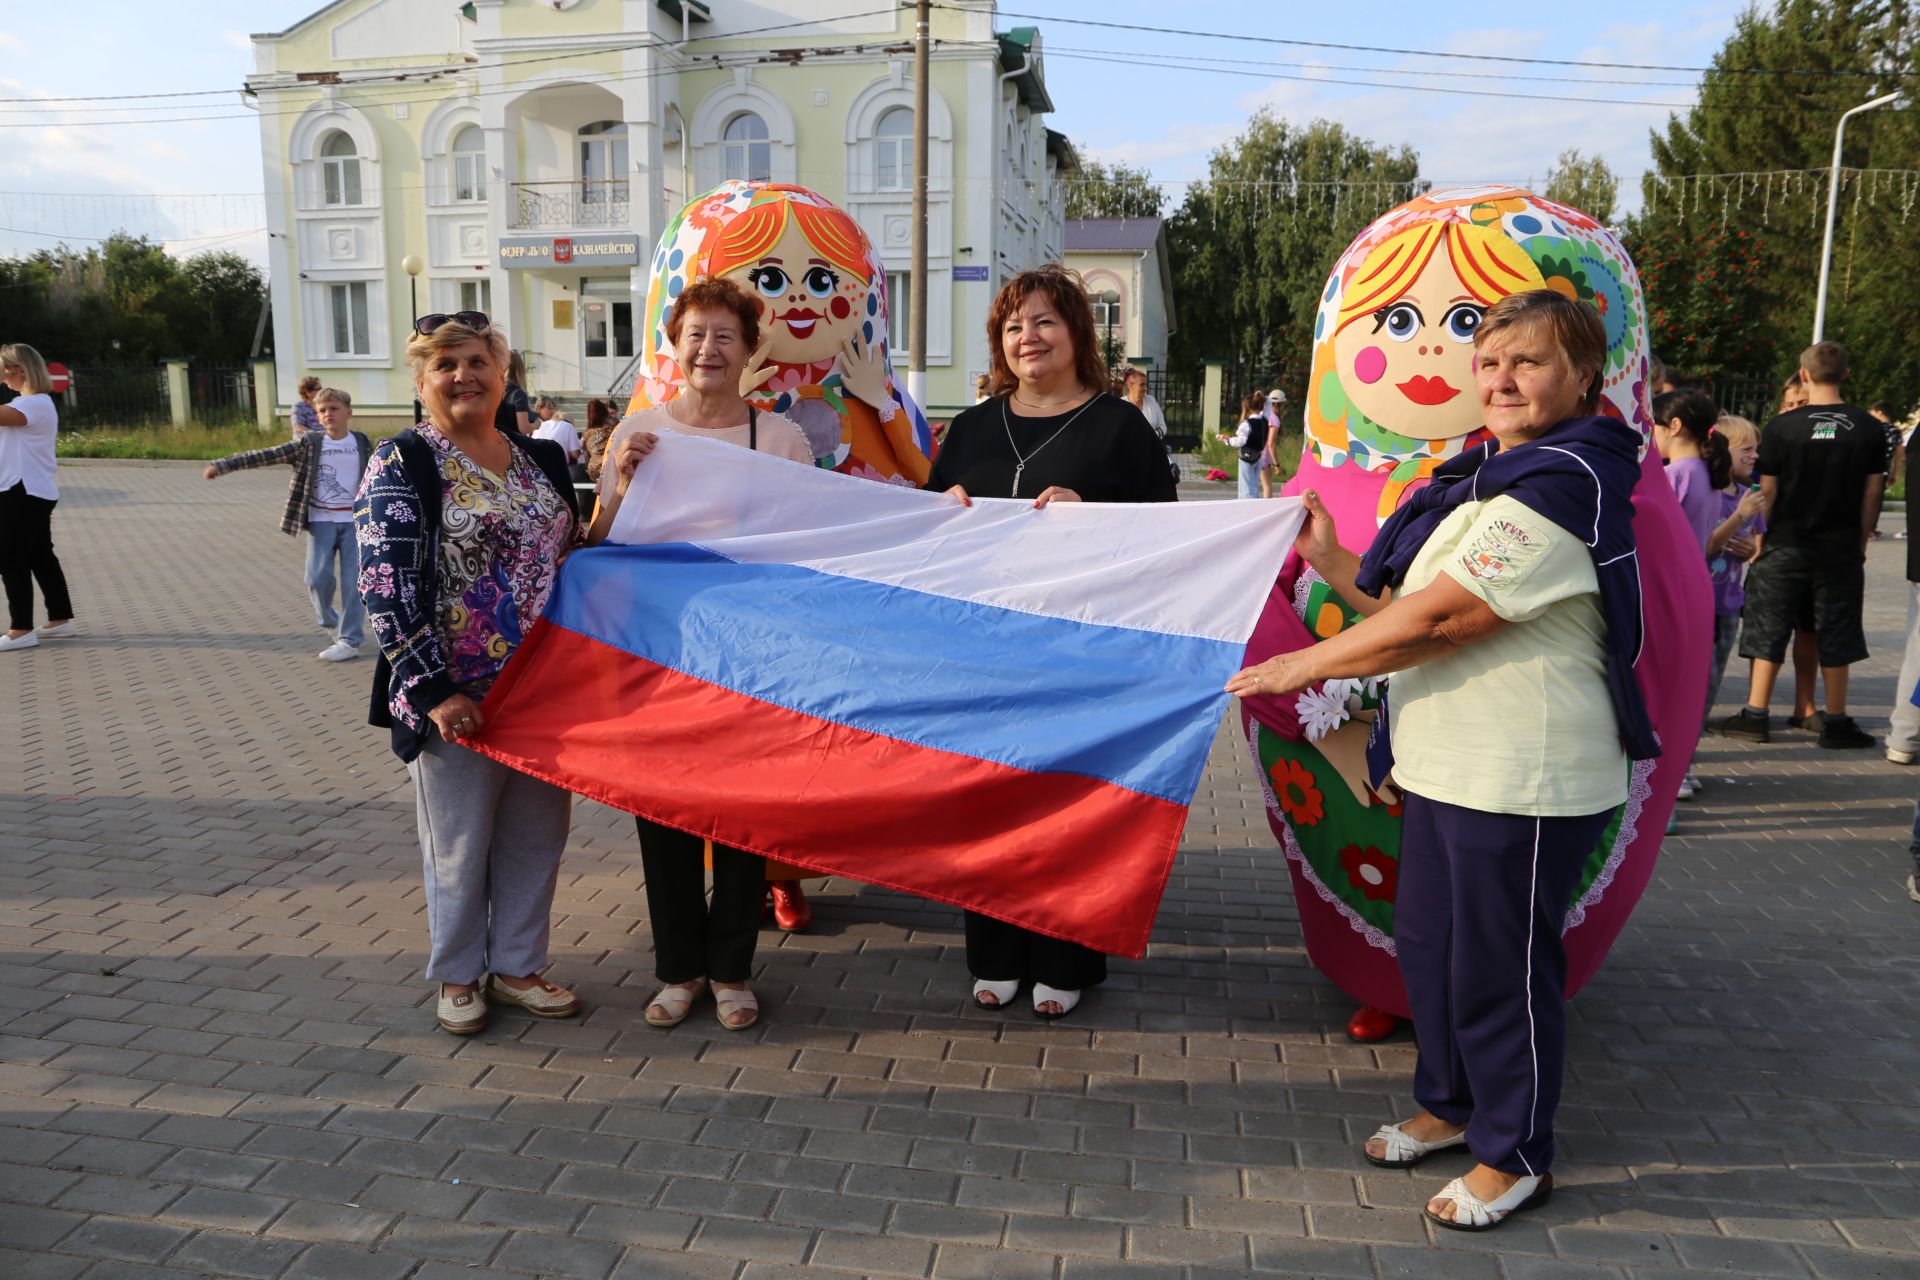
[
  {"x": 1390, "y": 397},
  {"x": 823, "y": 359}
]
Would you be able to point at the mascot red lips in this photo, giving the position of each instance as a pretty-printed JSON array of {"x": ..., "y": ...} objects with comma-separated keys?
[
  {"x": 801, "y": 321},
  {"x": 1428, "y": 391}
]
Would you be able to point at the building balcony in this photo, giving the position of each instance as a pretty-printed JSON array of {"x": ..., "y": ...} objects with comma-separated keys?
[{"x": 568, "y": 206}]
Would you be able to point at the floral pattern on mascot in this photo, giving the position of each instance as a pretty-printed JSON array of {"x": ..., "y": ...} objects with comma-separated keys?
[
  {"x": 823, "y": 359},
  {"x": 1390, "y": 397}
]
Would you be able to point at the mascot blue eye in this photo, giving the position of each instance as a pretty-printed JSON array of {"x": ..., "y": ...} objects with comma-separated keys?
[
  {"x": 820, "y": 281},
  {"x": 1464, "y": 321},
  {"x": 1401, "y": 321},
  {"x": 771, "y": 281}
]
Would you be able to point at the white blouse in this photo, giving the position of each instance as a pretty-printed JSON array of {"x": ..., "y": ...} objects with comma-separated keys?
[{"x": 26, "y": 453}]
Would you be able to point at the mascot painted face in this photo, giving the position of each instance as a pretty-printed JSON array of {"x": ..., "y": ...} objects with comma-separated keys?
[
  {"x": 823, "y": 359},
  {"x": 1390, "y": 397}
]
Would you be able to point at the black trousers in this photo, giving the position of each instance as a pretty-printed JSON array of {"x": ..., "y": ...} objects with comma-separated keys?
[
  {"x": 26, "y": 554},
  {"x": 1002, "y": 952},
  {"x": 693, "y": 938}
]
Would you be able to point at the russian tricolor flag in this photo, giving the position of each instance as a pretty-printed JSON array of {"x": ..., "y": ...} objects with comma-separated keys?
[{"x": 1001, "y": 708}]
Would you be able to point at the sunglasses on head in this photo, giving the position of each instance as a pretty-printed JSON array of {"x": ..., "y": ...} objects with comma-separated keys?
[{"x": 475, "y": 320}]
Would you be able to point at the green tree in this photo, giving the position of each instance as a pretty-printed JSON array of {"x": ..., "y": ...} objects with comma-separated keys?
[
  {"x": 1113, "y": 191},
  {"x": 128, "y": 301},
  {"x": 1586, "y": 183},
  {"x": 1252, "y": 243},
  {"x": 1769, "y": 103}
]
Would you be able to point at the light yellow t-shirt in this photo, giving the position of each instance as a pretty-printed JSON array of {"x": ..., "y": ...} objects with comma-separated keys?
[{"x": 1521, "y": 722}]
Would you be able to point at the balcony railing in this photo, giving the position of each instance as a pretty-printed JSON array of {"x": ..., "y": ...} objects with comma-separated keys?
[{"x": 564, "y": 206}]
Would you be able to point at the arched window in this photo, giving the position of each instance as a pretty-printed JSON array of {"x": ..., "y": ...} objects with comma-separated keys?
[
  {"x": 746, "y": 153},
  {"x": 339, "y": 169},
  {"x": 603, "y": 162},
  {"x": 893, "y": 150},
  {"x": 469, "y": 164}
]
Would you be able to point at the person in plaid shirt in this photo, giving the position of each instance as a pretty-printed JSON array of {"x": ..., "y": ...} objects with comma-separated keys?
[{"x": 327, "y": 467}]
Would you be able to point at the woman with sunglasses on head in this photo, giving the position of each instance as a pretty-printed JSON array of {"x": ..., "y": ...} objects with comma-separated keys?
[
  {"x": 698, "y": 943},
  {"x": 462, "y": 529}
]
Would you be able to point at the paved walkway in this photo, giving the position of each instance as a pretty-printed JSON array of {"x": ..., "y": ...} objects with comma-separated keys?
[{"x": 217, "y": 1058}]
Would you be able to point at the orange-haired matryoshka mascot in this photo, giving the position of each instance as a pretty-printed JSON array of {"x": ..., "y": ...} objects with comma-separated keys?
[{"x": 823, "y": 359}]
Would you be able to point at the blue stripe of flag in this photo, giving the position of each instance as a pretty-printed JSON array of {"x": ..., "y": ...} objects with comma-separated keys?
[{"x": 1135, "y": 708}]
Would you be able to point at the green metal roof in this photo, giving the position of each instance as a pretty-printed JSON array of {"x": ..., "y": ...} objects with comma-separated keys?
[
  {"x": 1019, "y": 47},
  {"x": 697, "y": 10},
  {"x": 1060, "y": 146}
]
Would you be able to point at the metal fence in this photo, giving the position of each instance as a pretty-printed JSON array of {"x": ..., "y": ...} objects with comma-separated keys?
[
  {"x": 116, "y": 396},
  {"x": 220, "y": 397}
]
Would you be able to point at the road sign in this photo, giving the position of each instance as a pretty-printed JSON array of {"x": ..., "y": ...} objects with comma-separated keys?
[{"x": 60, "y": 377}]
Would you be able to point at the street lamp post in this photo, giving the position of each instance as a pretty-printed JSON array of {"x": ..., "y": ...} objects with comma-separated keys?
[
  {"x": 1833, "y": 204},
  {"x": 412, "y": 265}
]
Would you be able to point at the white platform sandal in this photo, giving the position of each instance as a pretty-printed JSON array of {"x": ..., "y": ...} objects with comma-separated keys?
[
  {"x": 1002, "y": 993},
  {"x": 675, "y": 1002},
  {"x": 1404, "y": 1150},
  {"x": 1471, "y": 1213},
  {"x": 1043, "y": 994}
]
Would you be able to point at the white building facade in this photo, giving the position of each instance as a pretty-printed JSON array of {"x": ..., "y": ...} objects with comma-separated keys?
[{"x": 522, "y": 156}]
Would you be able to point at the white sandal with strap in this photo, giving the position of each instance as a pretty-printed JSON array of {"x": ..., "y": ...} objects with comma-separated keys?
[
  {"x": 1471, "y": 1213},
  {"x": 1404, "y": 1150},
  {"x": 732, "y": 1000},
  {"x": 676, "y": 1001}
]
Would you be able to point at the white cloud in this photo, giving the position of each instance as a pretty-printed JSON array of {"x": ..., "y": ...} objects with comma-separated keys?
[
  {"x": 11, "y": 41},
  {"x": 239, "y": 40}
]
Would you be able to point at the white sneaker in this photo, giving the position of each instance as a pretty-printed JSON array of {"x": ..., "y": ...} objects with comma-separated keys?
[
  {"x": 339, "y": 651},
  {"x": 64, "y": 631},
  {"x": 1688, "y": 785},
  {"x": 1896, "y": 756},
  {"x": 26, "y": 641}
]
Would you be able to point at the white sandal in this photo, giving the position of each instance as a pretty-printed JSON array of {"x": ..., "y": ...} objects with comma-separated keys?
[
  {"x": 676, "y": 1000},
  {"x": 1471, "y": 1213},
  {"x": 1002, "y": 993},
  {"x": 732, "y": 1000},
  {"x": 1404, "y": 1150},
  {"x": 1042, "y": 993}
]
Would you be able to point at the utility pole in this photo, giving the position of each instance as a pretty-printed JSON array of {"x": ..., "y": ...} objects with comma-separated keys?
[{"x": 917, "y": 281}]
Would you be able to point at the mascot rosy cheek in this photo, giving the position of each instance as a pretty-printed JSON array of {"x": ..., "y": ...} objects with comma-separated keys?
[
  {"x": 823, "y": 360},
  {"x": 1391, "y": 396}
]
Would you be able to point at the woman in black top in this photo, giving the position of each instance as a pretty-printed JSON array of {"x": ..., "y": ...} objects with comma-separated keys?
[{"x": 1048, "y": 432}]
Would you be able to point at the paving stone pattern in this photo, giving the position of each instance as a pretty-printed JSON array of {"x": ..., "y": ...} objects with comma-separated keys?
[{"x": 219, "y": 1059}]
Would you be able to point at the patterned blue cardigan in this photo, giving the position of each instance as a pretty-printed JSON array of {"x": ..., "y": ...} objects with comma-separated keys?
[{"x": 397, "y": 517}]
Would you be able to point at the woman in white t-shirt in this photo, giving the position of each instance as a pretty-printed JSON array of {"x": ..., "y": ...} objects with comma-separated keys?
[
  {"x": 697, "y": 943},
  {"x": 28, "y": 493}
]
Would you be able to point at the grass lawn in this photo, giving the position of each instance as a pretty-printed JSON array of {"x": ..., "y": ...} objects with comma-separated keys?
[{"x": 195, "y": 441}]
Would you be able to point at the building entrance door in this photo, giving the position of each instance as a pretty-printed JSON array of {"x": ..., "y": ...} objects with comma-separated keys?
[{"x": 606, "y": 332}]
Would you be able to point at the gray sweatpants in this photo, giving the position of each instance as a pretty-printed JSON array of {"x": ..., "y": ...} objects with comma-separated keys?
[
  {"x": 1904, "y": 733},
  {"x": 490, "y": 845}
]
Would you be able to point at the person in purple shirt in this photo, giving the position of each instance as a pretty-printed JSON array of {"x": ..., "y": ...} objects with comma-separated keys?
[
  {"x": 1734, "y": 541},
  {"x": 1698, "y": 467}
]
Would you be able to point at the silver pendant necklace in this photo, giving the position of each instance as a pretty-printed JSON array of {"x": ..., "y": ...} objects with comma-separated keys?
[{"x": 1020, "y": 461}]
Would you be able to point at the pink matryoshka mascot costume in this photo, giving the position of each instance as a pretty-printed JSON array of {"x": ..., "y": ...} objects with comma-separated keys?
[
  {"x": 1390, "y": 397},
  {"x": 823, "y": 358}
]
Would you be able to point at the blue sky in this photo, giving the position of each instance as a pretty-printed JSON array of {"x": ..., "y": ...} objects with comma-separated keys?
[{"x": 1149, "y": 111}]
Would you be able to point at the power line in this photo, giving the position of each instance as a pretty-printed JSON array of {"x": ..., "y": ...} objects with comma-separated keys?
[
  {"x": 423, "y": 74},
  {"x": 1243, "y": 38}
]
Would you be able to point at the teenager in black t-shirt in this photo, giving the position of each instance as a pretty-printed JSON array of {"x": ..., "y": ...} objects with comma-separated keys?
[{"x": 1823, "y": 471}]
